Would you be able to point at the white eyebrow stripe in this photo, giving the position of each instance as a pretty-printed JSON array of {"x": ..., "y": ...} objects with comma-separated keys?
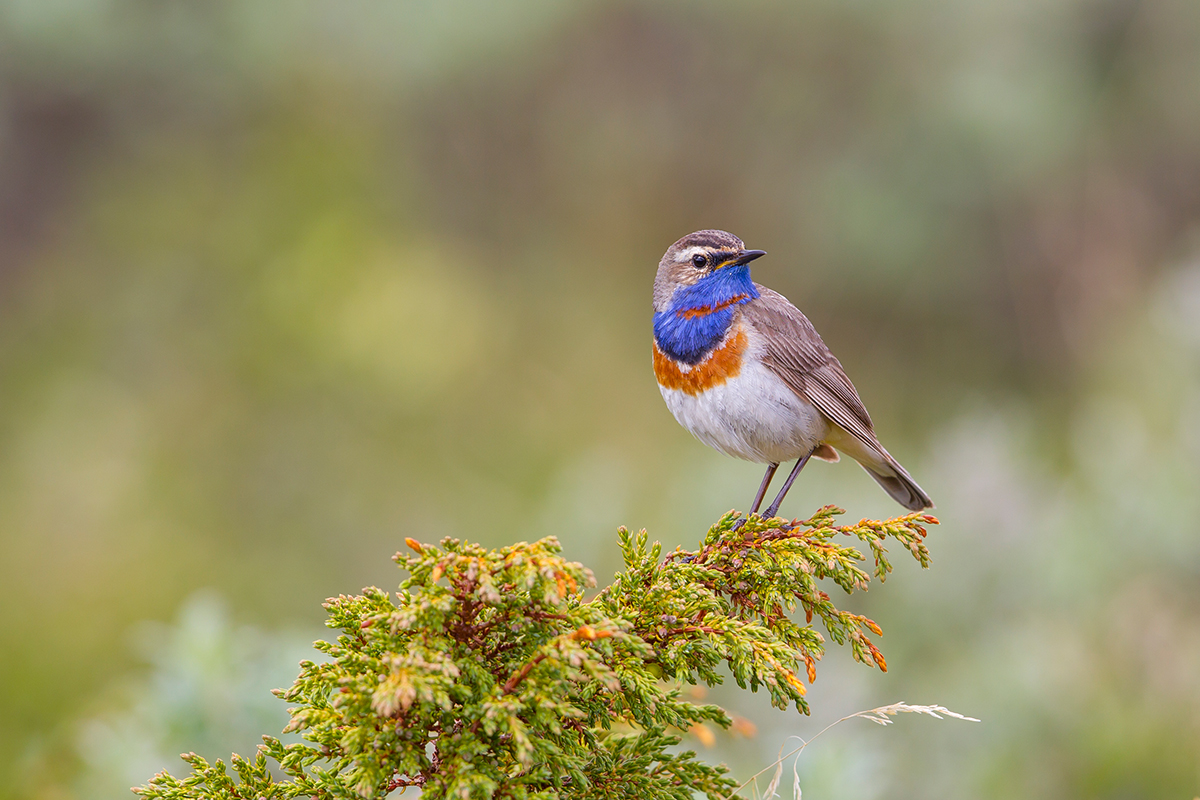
[{"x": 686, "y": 255}]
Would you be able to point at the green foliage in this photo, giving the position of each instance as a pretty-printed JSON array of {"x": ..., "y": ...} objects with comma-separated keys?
[{"x": 491, "y": 675}]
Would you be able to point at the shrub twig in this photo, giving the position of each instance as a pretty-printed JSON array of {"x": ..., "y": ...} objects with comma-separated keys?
[{"x": 490, "y": 675}]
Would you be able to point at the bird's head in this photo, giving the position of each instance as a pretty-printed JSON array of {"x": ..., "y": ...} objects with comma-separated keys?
[{"x": 695, "y": 257}]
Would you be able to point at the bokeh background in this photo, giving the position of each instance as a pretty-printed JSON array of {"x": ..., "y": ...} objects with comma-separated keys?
[{"x": 282, "y": 283}]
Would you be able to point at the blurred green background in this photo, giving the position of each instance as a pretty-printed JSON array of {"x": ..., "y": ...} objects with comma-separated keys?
[{"x": 282, "y": 283}]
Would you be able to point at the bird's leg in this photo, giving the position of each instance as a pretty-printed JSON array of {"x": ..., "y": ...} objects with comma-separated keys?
[
  {"x": 774, "y": 507},
  {"x": 762, "y": 489},
  {"x": 762, "y": 492}
]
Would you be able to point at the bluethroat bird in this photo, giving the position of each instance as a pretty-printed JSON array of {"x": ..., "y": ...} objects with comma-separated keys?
[{"x": 746, "y": 373}]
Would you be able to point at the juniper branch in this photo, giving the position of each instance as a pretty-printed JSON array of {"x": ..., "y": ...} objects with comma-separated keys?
[{"x": 490, "y": 675}]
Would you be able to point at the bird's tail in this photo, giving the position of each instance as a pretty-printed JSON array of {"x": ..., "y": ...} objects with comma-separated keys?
[{"x": 896, "y": 481}]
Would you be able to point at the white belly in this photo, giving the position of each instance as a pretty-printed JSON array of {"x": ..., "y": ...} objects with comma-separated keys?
[{"x": 754, "y": 416}]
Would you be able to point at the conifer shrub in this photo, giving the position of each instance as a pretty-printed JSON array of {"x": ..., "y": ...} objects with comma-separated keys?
[{"x": 495, "y": 673}]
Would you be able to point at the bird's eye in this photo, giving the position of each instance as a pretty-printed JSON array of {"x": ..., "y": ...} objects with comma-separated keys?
[{"x": 699, "y": 261}]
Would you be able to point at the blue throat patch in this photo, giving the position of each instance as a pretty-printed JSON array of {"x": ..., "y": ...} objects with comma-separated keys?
[{"x": 700, "y": 314}]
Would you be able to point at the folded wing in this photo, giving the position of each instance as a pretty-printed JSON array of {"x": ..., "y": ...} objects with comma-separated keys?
[{"x": 796, "y": 353}]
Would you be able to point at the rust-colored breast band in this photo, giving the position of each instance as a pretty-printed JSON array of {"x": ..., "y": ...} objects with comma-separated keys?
[{"x": 723, "y": 363}]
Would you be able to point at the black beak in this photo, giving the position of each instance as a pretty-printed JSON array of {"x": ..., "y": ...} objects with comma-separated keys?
[{"x": 746, "y": 256}]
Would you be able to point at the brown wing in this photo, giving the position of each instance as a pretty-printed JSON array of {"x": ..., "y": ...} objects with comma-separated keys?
[{"x": 796, "y": 353}]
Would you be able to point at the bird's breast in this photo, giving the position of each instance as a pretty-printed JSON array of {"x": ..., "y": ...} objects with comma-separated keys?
[
  {"x": 719, "y": 364},
  {"x": 733, "y": 402}
]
